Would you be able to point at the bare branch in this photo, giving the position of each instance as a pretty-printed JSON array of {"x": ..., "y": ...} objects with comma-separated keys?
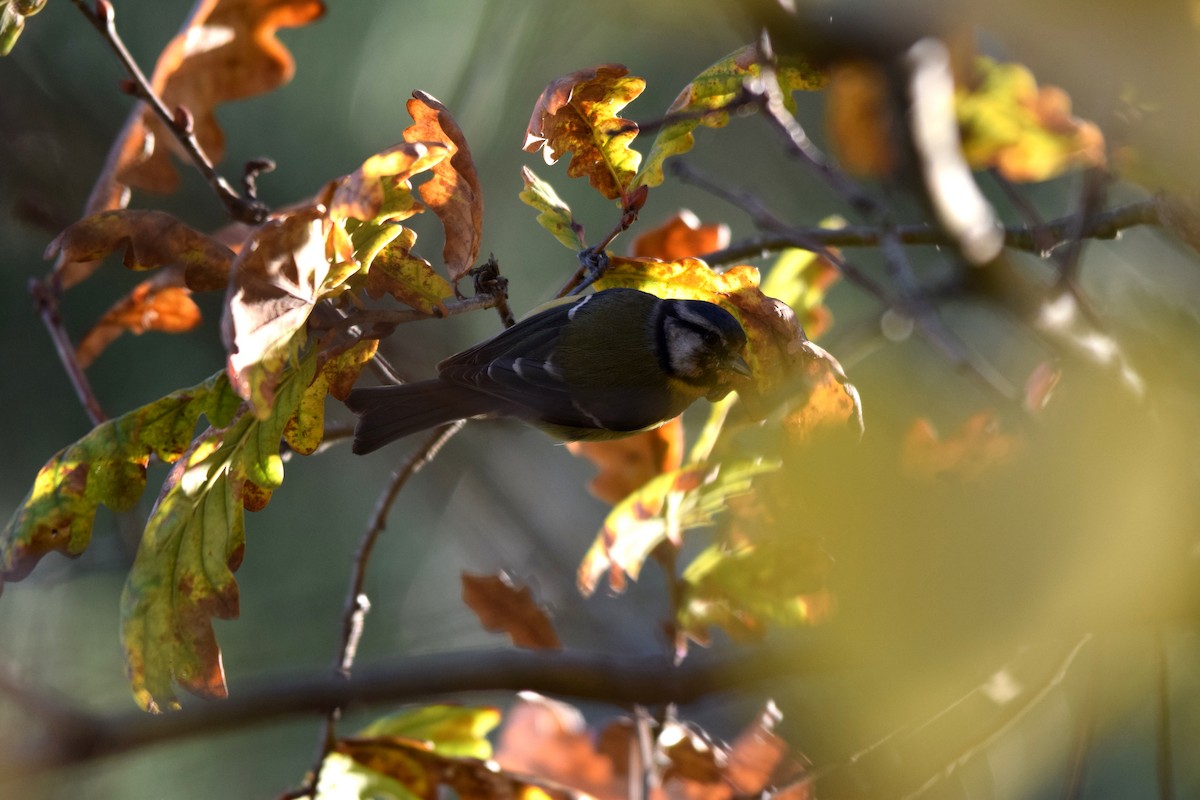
[{"x": 45, "y": 300}]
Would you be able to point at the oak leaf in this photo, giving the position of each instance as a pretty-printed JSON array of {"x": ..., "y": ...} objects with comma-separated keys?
[
  {"x": 151, "y": 306},
  {"x": 107, "y": 466},
  {"x": 453, "y": 194},
  {"x": 195, "y": 536},
  {"x": 625, "y": 464},
  {"x": 12, "y": 20},
  {"x": 504, "y": 607},
  {"x": 577, "y": 114},
  {"x": 148, "y": 239},
  {"x": 859, "y": 119},
  {"x": 226, "y": 50}
]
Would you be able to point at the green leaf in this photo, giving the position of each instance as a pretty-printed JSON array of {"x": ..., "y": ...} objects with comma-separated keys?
[
  {"x": 553, "y": 214},
  {"x": 306, "y": 428},
  {"x": 459, "y": 731},
  {"x": 712, "y": 91},
  {"x": 662, "y": 509},
  {"x": 394, "y": 270},
  {"x": 343, "y": 778},
  {"x": 107, "y": 466},
  {"x": 182, "y": 576}
]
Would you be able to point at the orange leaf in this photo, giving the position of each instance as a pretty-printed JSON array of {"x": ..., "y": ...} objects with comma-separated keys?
[
  {"x": 626, "y": 464},
  {"x": 503, "y": 607},
  {"x": 976, "y": 447},
  {"x": 453, "y": 193},
  {"x": 379, "y": 191},
  {"x": 832, "y": 402},
  {"x": 577, "y": 113},
  {"x": 226, "y": 50},
  {"x": 681, "y": 236},
  {"x": 151, "y": 306}
]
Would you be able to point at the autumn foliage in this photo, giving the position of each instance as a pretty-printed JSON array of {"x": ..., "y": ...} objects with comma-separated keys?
[{"x": 712, "y": 500}]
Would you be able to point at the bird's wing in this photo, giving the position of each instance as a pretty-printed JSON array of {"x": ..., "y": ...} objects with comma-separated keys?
[{"x": 518, "y": 366}]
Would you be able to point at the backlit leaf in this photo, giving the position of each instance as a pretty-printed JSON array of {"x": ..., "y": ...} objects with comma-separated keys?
[
  {"x": 151, "y": 306},
  {"x": 107, "y": 466},
  {"x": 453, "y": 193},
  {"x": 1026, "y": 132},
  {"x": 149, "y": 239},
  {"x": 182, "y": 576},
  {"x": 503, "y": 607},
  {"x": 859, "y": 118},
  {"x": 407, "y": 277},
  {"x": 306, "y": 429},
  {"x": 226, "y": 50},
  {"x": 681, "y": 236},
  {"x": 277, "y": 279},
  {"x": 712, "y": 91},
  {"x": 553, "y": 214},
  {"x": 659, "y": 511},
  {"x": 577, "y": 114},
  {"x": 381, "y": 190}
]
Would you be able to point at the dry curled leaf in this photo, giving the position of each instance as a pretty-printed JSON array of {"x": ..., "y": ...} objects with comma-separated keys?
[
  {"x": 151, "y": 306},
  {"x": 577, "y": 113},
  {"x": 504, "y": 607},
  {"x": 453, "y": 194},
  {"x": 148, "y": 239}
]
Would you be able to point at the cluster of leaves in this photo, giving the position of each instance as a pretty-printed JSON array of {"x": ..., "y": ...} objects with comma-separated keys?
[
  {"x": 347, "y": 241},
  {"x": 291, "y": 287}
]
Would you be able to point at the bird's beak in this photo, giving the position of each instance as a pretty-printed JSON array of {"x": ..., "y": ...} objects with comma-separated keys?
[{"x": 738, "y": 364}]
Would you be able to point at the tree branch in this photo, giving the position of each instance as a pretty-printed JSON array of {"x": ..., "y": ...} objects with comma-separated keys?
[
  {"x": 45, "y": 300},
  {"x": 243, "y": 209},
  {"x": 600, "y": 677}
]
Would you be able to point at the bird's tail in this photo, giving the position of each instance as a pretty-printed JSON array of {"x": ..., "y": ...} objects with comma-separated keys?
[{"x": 387, "y": 413}]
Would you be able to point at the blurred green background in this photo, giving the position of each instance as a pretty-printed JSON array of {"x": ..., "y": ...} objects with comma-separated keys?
[{"x": 505, "y": 497}]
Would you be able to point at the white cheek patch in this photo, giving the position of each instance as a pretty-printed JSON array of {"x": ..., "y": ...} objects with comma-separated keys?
[{"x": 685, "y": 349}]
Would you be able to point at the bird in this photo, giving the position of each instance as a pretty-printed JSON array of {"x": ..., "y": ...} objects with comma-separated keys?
[{"x": 601, "y": 366}]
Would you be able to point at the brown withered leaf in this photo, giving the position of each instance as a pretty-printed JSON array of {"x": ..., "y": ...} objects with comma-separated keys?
[
  {"x": 977, "y": 446},
  {"x": 504, "y": 607},
  {"x": 626, "y": 464},
  {"x": 831, "y": 404},
  {"x": 577, "y": 113},
  {"x": 453, "y": 193},
  {"x": 226, "y": 50},
  {"x": 150, "y": 239},
  {"x": 151, "y": 306},
  {"x": 681, "y": 236}
]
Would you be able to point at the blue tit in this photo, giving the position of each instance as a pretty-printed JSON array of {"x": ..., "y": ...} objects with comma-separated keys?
[{"x": 602, "y": 366}]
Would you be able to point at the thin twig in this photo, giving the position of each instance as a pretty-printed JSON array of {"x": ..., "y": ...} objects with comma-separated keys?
[
  {"x": 243, "y": 209},
  {"x": 357, "y": 605},
  {"x": 1165, "y": 759},
  {"x": 45, "y": 300}
]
